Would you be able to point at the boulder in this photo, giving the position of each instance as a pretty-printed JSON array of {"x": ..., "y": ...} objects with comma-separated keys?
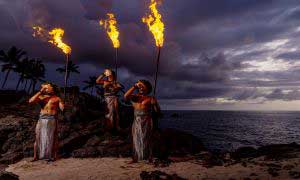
[
  {"x": 8, "y": 176},
  {"x": 157, "y": 175}
]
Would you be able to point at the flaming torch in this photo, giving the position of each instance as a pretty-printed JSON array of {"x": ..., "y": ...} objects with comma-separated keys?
[
  {"x": 110, "y": 25},
  {"x": 55, "y": 37},
  {"x": 156, "y": 27}
]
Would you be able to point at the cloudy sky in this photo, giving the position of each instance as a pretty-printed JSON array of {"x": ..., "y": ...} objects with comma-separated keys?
[{"x": 218, "y": 54}]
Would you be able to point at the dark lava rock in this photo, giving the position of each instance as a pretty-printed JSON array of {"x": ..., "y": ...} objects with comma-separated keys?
[
  {"x": 244, "y": 152},
  {"x": 209, "y": 159},
  {"x": 288, "y": 167},
  {"x": 157, "y": 175},
  {"x": 170, "y": 142},
  {"x": 279, "y": 151},
  {"x": 271, "y": 152},
  {"x": 8, "y": 176},
  {"x": 81, "y": 132},
  {"x": 294, "y": 174},
  {"x": 10, "y": 96},
  {"x": 273, "y": 171}
]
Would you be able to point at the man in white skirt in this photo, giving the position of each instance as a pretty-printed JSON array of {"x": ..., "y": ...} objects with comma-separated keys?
[
  {"x": 111, "y": 89},
  {"x": 46, "y": 140},
  {"x": 145, "y": 106}
]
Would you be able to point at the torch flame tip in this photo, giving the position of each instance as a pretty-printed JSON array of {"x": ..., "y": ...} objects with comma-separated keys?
[
  {"x": 110, "y": 25},
  {"x": 54, "y": 37},
  {"x": 155, "y": 24}
]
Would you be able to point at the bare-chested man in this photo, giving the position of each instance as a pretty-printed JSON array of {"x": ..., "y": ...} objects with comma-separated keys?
[
  {"x": 144, "y": 108},
  {"x": 111, "y": 90},
  {"x": 46, "y": 140}
]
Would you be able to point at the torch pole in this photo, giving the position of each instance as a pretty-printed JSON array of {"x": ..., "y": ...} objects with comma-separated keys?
[
  {"x": 157, "y": 69},
  {"x": 66, "y": 75},
  {"x": 116, "y": 63}
]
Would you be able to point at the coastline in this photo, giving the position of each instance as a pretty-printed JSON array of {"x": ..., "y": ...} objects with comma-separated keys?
[
  {"x": 89, "y": 152},
  {"x": 119, "y": 168}
]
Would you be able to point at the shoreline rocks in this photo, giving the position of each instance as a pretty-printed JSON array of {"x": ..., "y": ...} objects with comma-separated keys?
[{"x": 82, "y": 135}]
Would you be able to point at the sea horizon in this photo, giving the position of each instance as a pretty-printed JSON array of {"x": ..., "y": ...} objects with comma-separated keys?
[
  {"x": 233, "y": 110},
  {"x": 230, "y": 130}
]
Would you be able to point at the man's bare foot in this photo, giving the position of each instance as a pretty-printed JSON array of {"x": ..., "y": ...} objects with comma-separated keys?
[
  {"x": 34, "y": 159},
  {"x": 150, "y": 160},
  {"x": 132, "y": 162},
  {"x": 51, "y": 160}
]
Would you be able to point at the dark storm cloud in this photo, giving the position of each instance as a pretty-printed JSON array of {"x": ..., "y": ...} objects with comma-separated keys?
[
  {"x": 252, "y": 93},
  {"x": 280, "y": 94},
  {"x": 206, "y": 70},
  {"x": 193, "y": 28},
  {"x": 290, "y": 56}
]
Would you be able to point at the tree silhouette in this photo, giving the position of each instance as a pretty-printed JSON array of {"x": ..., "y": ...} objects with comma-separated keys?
[
  {"x": 91, "y": 84},
  {"x": 23, "y": 68},
  {"x": 72, "y": 68},
  {"x": 37, "y": 73},
  {"x": 10, "y": 60}
]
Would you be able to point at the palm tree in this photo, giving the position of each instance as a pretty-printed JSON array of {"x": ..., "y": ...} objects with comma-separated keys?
[
  {"x": 37, "y": 72},
  {"x": 91, "y": 84},
  {"x": 72, "y": 68},
  {"x": 23, "y": 68},
  {"x": 10, "y": 59}
]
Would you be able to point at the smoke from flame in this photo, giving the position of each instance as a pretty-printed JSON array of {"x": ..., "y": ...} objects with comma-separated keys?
[
  {"x": 54, "y": 36},
  {"x": 110, "y": 25},
  {"x": 38, "y": 31},
  {"x": 155, "y": 24}
]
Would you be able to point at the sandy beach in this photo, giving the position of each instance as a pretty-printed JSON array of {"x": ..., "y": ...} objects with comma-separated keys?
[{"x": 119, "y": 168}]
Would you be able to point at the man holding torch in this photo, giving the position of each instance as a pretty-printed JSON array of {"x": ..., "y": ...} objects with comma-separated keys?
[
  {"x": 157, "y": 28},
  {"x": 55, "y": 37},
  {"x": 145, "y": 107},
  {"x": 111, "y": 89},
  {"x": 46, "y": 140},
  {"x": 110, "y": 25}
]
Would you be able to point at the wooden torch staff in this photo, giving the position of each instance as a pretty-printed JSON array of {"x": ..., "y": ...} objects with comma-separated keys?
[
  {"x": 157, "y": 69},
  {"x": 66, "y": 75},
  {"x": 116, "y": 63}
]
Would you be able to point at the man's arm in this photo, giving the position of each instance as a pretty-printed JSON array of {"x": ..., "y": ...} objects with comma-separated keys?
[
  {"x": 129, "y": 93},
  {"x": 61, "y": 105},
  {"x": 119, "y": 86},
  {"x": 156, "y": 106},
  {"x": 100, "y": 79},
  {"x": 35, "y": 98}
]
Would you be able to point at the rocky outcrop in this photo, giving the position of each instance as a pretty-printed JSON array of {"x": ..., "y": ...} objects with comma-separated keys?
[
  {"x": 270, "y": 152},
  {"x": 157, "y": 175},
  {"x": 81, "y": 133},
  {"x": 10, "y": 96},
  {"x": 8, "y": 176}
]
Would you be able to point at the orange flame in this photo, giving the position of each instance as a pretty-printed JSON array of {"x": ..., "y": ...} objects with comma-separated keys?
[
  {"x": 155, "y": 24},
  {"x": 57, "y": 35},
  {"x": 110, "y": 25},
  {"x": 54, "y": 37}
]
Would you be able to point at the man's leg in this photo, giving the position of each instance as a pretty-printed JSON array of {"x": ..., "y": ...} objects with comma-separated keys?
[
  {"x": 34, "y": 152},
  {"x": 55, "y": 142},
  {"x": 134, "y": 154},
  {"x": 35, "y": 146},
  {"x": 117, "y": 117},
  {"x": 37, "y": 140},
  {"x": 109, "y": 114}
]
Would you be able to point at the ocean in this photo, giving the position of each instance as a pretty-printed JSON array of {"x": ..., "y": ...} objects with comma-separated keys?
[{"x": 229, "y": 130}]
